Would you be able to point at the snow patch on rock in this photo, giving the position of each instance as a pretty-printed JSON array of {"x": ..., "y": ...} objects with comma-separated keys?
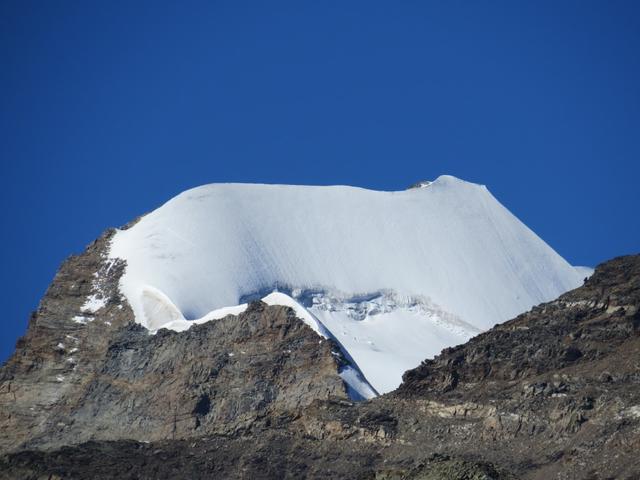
[{"x": 93, "y": 303}]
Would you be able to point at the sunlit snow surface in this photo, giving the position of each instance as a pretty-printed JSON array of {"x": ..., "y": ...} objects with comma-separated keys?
[{"x": 393, "y": 276}]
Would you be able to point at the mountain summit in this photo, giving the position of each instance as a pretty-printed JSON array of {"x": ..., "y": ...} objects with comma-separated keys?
[
  {"x": 392, "y": 277},
  {"x": 228, "y": 334}
]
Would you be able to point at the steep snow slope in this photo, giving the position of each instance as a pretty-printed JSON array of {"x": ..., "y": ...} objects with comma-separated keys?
[{"x": 393, "y": 276}]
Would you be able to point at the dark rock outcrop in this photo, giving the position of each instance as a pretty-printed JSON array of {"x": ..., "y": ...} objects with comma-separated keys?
[
  {"x": 578, "y": 332},
  {"x": 64, "y": 345},
  {"x": 90, "y": 373}
]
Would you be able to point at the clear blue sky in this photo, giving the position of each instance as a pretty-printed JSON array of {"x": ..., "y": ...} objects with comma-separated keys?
[{"x": 108, "y": 109}]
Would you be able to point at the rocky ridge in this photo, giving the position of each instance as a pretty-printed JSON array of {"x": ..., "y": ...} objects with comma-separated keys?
[{"x": 86, "y": 371}]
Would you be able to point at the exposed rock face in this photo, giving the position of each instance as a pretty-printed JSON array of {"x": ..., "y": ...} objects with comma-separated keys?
[
  {"x": 582, "y": 331},
  {"x": 64, "y": 345},
  {"x": 85, "y": 373},
  {"x": 554, "y": 393},
  {"x": 219, "y": 377}
]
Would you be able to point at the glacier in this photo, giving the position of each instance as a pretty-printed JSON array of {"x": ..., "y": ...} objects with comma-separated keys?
[{"x": 392, "y": 277}]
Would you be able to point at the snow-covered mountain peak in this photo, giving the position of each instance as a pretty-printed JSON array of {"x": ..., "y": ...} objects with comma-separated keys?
[
  {"x": 451, "y": 180},
  {"x": 443, "y": 262},
  {"x": 443, "y": 180}
]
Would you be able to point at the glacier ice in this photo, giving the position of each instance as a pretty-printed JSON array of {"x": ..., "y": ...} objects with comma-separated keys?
[{"x": 393, "y": 276}]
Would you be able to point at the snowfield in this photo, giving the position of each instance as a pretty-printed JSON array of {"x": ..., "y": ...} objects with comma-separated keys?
[{"x": 393, "y": 277}]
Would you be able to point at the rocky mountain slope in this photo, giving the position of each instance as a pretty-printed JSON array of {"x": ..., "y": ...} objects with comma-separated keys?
[
  {"x": 81, "y": 373},
  {"x": 554, "y": 393}
]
